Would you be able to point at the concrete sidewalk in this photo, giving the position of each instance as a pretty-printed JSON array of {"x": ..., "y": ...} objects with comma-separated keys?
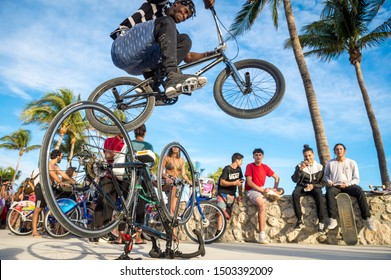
[{"x": 14, "y": 247}]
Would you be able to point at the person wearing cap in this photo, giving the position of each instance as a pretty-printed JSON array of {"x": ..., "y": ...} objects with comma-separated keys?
[{"x": 149, "y": 37}]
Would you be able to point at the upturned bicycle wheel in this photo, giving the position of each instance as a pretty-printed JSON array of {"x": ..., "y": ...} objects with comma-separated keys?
[
  {"x": 212, "y": 227},
  {"x": 262, "y": 92},
  {"x": 174, "y": 198},
  {"x": 83, "y": 148},
  {"x": 128, "y": 102}
]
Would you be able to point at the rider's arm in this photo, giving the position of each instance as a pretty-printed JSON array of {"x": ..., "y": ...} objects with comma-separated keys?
[
  {"x": 209, "y": 3},
  {"x": 194, "y": 56}
]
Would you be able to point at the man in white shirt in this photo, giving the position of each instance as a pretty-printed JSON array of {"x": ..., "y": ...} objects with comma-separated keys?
[{"x": 342, "y": 176}]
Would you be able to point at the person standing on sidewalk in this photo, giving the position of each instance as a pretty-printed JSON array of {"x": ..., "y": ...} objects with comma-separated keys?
[
  {"x": 256, "y": 173},
  {"x": 342, "y": 176},
  {"x": 309, "y": 178},
  {"x": 57, "y": 176}
]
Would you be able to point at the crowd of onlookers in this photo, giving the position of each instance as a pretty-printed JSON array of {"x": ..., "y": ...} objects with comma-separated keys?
[{"x": 339, "y": 175}]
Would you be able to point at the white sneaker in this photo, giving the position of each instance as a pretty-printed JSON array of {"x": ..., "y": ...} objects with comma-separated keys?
[
  {"x": 332, "y": 223},
  {"x": 370, "y": 224},
  {"x": 262, "y": 238}
]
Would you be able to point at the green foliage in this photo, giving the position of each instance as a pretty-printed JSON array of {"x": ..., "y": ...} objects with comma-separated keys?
[
  {"x": 216, "y": 175},
  {"x": 8, "y": 173}
]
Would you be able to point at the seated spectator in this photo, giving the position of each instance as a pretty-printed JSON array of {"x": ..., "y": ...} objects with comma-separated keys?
[
  {"x": 256, "y": 173},
  {"x": 342, "y": 176},
  {"x": 309, "y": 179},
  {"x": 230, "y": 182}
]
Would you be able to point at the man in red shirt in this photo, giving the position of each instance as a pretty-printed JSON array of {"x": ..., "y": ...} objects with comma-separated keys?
[
  {"x": 112, "y": 146},
  {"x": 256, "y": 173}
]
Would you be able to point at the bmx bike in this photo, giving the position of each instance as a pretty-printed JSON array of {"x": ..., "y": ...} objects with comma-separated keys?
[{"x": 245, "y": 89}]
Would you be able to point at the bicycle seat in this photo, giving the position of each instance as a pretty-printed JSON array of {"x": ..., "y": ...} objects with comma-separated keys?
[{"x": 145, "y": 156}]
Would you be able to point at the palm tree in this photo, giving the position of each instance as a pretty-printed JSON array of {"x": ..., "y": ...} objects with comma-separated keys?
[
  {"x": 19, "y": 141},
  {"x": 8, "y": 174},
  {"x": 245, "y": 19},
  {"x": 343, "y": 28},
  {"x": 43, "y": 111}
]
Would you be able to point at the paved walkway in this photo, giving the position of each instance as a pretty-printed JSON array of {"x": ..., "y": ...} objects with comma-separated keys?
[{"x": 14, "y": 247}]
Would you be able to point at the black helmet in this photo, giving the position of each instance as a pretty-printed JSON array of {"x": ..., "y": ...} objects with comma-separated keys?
[{"x": 190, "y": 5}]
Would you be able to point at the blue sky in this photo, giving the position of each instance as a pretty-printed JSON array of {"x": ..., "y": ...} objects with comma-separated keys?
[{"x": 47, "y": 45}]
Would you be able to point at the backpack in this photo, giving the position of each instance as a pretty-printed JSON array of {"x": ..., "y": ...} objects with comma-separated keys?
[
  {"x": 28, "y": 189},
  {"x": 29, "y": 186}
]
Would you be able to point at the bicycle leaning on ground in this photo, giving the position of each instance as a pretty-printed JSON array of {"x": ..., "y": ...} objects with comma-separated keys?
[
  {"x": 112, "y": 181},
  {"x": 245, "y": 89}
]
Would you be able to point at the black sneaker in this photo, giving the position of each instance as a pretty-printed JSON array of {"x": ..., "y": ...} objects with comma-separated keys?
[
  {"x": 93, "y": 240},
  {"x": 217, "y": 232},
  {"x": 299, "y": 224},
  {"x": 178, "y": 83}
]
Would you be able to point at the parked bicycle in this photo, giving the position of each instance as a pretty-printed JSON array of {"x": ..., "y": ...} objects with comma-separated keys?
[
  {"x": 207, "y": 216},
  {"x": 76, "y": 208},
  {"x": 245, "y": 89},
  {"x": 196, "y": 211},
  {"x": 110, "y": 180},
  {"x": 19, "y": 217}
]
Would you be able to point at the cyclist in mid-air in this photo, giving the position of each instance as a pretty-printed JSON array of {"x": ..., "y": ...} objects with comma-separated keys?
[{"x": 150, "y": 37}]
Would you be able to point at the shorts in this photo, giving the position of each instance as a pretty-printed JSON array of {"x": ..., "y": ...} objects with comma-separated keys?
[
  {"x": 136, "y": 50},
  {"x": 40, "y": 202},
  {"x": 252, "y": 195},
  {"x": 225, "y": 200}
]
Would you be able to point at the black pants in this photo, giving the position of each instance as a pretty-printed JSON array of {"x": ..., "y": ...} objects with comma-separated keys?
[
  {"x": 103, "y": 211},
  {"x": 316, "y": 193},
  {"x": 355, "y": 191},
  {"x": 173, "y": 46}
]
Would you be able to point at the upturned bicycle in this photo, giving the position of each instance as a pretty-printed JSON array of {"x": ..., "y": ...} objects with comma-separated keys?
[
  {"x": 111, "y": 180},
  {"x": 245, "y": 89}
]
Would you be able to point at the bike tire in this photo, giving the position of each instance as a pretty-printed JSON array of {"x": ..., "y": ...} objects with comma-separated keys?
[
  {"x": 88, "y": 159},
  {"x": 20, "y": 227},
  {"x": 209, "y": 228},
  {"x": 138, "y": 112},
  {"x": 266, "y": 93},
  {"x": 54, "y": 228},
  {"x": 188, "y": 192}
]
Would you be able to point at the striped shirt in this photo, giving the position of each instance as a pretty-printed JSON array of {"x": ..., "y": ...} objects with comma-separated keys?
[{"x": 150, "y": 9}]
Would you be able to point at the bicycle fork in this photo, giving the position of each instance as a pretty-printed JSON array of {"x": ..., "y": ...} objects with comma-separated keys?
[{"x": 245, "y": 85}]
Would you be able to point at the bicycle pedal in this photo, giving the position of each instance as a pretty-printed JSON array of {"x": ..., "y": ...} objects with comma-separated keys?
[{"x": 190, "y": 85}]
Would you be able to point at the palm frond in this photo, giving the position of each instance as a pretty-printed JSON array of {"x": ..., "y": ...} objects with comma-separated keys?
[{"x": 246, "y": 16}]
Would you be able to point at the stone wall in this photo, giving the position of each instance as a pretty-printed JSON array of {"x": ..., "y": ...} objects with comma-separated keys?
[{"x": 280, "y": 222}]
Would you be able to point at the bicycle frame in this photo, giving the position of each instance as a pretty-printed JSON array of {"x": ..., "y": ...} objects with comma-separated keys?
[{"x": 216, "y": 58}]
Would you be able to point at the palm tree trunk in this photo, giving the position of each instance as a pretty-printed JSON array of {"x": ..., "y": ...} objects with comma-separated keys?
[
  {"x": 16, "y": 169},
  {"x": 375, "y": 128},
  {"x": 316, "y": 118},
  {"x": 70, "y": 155}
]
